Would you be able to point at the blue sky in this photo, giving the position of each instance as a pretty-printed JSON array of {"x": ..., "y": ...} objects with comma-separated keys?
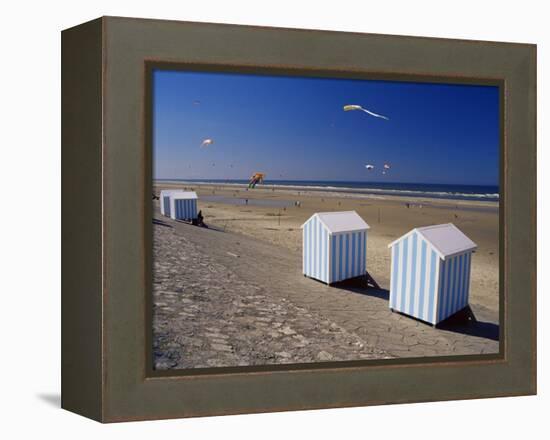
[{"x": 294, "y": 128}]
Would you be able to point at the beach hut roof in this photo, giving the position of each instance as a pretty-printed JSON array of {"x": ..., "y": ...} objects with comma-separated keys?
[
  {"x": 447, "y": 240},
  {"x": 168, "y": 192},
  {"x": 341, "y": 221},
  {"x": 184, "y": 195}
]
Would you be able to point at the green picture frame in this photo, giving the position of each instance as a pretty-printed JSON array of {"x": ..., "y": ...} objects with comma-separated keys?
[{"x": 106, "y": 213}]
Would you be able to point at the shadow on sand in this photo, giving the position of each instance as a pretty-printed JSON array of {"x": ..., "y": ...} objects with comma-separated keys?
[
  {"x": 463, "y": 322},
  {"x": 161, "y": 223},
  {"x": 360, "y": 286}
]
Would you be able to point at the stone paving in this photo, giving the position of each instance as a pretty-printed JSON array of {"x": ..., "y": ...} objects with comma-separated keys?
[
  {"x": 223, "y": 299},
  {"x": 207, "y": 316}
]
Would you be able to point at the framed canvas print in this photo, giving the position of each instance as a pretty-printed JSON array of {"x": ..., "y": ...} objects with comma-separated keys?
[{"x": 262, "y": 219}]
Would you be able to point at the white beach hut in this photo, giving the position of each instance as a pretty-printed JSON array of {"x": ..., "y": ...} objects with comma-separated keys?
[
  {"x": 334, "y": 246},
  {"x": 183, "y": 205},
  {"x": 165, "y": 200},
  {"x": 430, "y": 272}
]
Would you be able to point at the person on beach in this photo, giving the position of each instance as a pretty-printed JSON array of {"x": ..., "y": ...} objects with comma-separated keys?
[{"x": 199, "y": 221}]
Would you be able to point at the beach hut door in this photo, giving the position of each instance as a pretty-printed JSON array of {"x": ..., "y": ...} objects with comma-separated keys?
[{"x": 166, "y": 202}]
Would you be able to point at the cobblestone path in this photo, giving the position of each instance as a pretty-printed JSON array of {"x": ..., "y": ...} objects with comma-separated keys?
[
  {"x": 223, "y": 299},
  {"x": 207, "y": 316}
]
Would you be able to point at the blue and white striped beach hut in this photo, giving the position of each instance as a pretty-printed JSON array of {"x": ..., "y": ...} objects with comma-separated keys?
[
  {"x": 183, "y": 205},
  {"x": 334, "y": 246},
  {"x": 430, "y": 272},
  {"x": 164, "y": 200}
]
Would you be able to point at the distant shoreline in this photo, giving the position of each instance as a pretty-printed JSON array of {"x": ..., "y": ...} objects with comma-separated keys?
[{"x": 347, "y": 192}]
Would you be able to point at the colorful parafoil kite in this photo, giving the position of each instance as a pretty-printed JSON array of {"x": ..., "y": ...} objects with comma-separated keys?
[{"x": 255, "y": 179}]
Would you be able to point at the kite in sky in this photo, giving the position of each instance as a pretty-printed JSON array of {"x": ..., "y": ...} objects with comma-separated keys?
[
  {"x": 351, "y": 107},
  {"x": 206, "y": 142},
  {"x": 369, "y": 167},
  {"x": 255, "y": 179}
]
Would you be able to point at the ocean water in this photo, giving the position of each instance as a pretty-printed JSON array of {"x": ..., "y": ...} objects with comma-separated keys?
[{"x": 439, "y": 191}]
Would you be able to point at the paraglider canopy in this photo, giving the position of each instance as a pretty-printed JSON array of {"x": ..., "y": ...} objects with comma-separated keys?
[{"x": 352, "y": 107}]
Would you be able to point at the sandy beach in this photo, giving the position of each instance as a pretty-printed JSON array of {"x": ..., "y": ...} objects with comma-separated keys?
[
  {"x": 233, "y": 294},
  {"x": 270, "y": 215}
]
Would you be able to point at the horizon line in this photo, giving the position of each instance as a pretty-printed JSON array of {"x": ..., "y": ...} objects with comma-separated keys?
[{"x": 330, "y": 181}]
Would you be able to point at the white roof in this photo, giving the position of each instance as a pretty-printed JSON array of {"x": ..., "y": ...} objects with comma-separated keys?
[
  {"x": 184, "y": 195},
  {"x": 447, "y": 240},
  {"x": 341, "y": 221},
  {"x": 167, "y": 192}
]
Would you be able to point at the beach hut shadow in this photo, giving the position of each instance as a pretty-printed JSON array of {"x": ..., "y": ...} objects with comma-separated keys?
[
  {"x": 161, "y": 223},
  {"x": 465, "y": 322},
  {"x": 360, "y": 285}
]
